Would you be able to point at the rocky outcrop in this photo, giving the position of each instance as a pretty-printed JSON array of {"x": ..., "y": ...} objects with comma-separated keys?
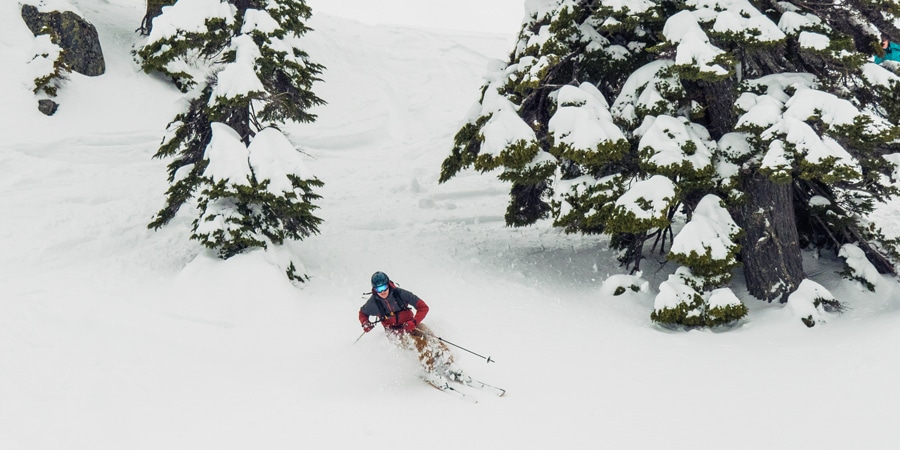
[
  {"x": 47, "y": 107},
  {"x": 76, "y": 36}
]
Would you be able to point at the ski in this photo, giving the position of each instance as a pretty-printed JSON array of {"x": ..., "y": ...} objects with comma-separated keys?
[
  {"x": 447, "y": 389},
  {"x": 460, "y": 377},
  {"x": 473, "y": 383}
]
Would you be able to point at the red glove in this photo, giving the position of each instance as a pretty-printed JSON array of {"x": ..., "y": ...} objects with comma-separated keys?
[
  {"x": 367, "y": 326},
  {"x": 409, "y": 325}
]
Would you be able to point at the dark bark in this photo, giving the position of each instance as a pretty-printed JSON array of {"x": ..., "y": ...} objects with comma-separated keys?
[
  {"x": 838, "y": 17},
  {"x": 719, "y": 98},
  {"x": 818, "y": 231},
  {"x": 154, "y": 9},
  {"x": 770, "y": 249},
  {"x": 238, "y": 118}
]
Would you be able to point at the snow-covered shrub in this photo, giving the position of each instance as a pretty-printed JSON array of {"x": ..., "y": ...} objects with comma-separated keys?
[
  {"x": 47, "y": 66},
  {"x": 682, "y": 301},
  {"x": 857, "y": 267},
  {"x": 706, "y": 249},
  {"x": 811, "y": 303},
  {"x": 678, "y": 302},
  {"x": 723, "y": 307},
  {"x": 707, "y": 245},
  {"x": 619, "y": 284}
]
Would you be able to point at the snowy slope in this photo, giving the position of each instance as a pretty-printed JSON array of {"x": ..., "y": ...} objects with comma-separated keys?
[{"x": 116, "y": 337}]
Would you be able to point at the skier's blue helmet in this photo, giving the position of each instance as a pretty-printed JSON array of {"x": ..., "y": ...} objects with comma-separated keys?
[{"x": 380, "y": 279}]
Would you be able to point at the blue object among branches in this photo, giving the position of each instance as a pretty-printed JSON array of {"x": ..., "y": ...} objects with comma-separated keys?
[{"x": 891, "y": 53}]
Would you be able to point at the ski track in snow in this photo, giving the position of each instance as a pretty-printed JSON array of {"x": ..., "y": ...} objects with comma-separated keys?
[{"x": 114, "y": 336}]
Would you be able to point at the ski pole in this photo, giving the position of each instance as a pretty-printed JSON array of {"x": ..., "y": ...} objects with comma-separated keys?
[{"x": 486, "y": 358}]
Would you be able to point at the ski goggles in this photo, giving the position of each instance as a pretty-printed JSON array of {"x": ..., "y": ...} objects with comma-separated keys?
[{"x": 381, "y": 288}]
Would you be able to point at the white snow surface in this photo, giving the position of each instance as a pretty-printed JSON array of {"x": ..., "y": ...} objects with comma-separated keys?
[
  {"x": 190, "y": 16},
  {"x": 856, "y": 260},
  {"x": 711, "y": 229},
  {"x": 228, "y": 157},
  {"x": 239, "y": 78},
  {"x": 583, "y": 119},
  {"x": 113, "y": 336}
]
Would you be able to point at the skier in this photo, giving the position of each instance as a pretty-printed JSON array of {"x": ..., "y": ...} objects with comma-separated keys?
[
  {"x": 891, "y": 51},
  {"x": 391, "y": 305}
]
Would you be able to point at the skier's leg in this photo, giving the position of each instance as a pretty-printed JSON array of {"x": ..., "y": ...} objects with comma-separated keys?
[{"x": 434, "y": 355}]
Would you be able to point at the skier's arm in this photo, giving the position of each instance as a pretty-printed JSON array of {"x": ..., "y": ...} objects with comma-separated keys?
[
  {"x": 363, "y": 317},
  {"x": 421, "y": 310}
]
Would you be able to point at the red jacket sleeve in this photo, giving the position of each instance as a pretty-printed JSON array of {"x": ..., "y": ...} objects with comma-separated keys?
[
  {"x": 421, "y": 310},
  {"x": 363, "y": 318}
]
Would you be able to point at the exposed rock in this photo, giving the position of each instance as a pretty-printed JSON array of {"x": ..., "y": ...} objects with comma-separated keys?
[
  {"x": 77, "y": 37},
  {"x": 48, "y": 107}
]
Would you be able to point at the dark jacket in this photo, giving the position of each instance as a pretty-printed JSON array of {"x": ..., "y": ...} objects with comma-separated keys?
[{"x": 394, "y": 310}]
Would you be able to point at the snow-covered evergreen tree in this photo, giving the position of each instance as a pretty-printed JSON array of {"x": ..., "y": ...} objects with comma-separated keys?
[
  {"x": 619, "y": 116},
  {"x": 707, "y": 245},
  {"x": 707, "y": 250},
  {"x": 241, "y": 64}
]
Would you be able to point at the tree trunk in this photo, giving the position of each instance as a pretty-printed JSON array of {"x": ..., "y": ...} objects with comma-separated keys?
[
  {"x": 719, "y": 98},
  {"x": 154, "y": 8},
  {"x": 770, "y": 249}
]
